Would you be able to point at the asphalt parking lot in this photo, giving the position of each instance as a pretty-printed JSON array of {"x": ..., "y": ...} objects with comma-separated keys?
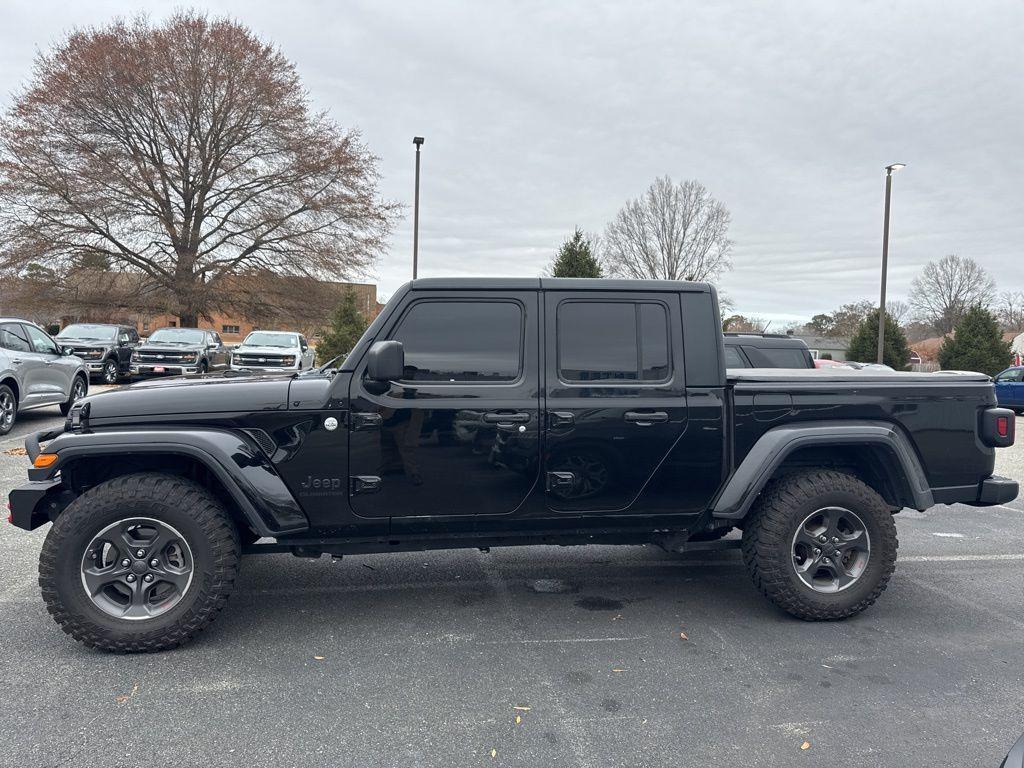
[{"x": 598, "y": 656}]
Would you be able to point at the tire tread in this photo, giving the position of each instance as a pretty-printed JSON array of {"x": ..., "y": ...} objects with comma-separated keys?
[
  {"x": 190, "y": 498},
  {"x": 767, "y": 532}
]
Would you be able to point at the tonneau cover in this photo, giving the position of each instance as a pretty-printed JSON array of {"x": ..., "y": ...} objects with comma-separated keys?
[{"x": 847, "y": 375}]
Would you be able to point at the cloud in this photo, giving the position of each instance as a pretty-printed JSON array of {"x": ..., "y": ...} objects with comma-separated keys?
[{"x": 541, "y": 117}]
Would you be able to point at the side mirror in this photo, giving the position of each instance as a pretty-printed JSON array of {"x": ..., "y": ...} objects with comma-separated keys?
[
  {"x": 67, "y": 351},
  {"x": 386, "y": 361}
]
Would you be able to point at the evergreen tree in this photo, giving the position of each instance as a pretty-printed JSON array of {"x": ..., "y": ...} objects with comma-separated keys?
[
  {"x": 576, "y": 258},
  {"x": 347, "y": 325},
  {"x": 864, "y": 344},
  {"x": 976, "y": 344}
]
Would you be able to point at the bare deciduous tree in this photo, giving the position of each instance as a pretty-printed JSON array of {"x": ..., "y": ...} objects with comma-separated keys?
[
  {"x": 947, "y": 288},
  {"x": 671, "y": 232},
  {"x": 185, "y": 151},
  {"x": 898, "y": 310},
  {"x": 1010, "y": 310}
]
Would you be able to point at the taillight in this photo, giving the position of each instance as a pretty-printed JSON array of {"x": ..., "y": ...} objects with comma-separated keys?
[{"x": 997, "y": 427}]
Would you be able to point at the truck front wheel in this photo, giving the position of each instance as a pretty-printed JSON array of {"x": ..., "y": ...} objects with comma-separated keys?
[
  {"x": 139, "y": 563},
  {"x": 820, "y": 544}
]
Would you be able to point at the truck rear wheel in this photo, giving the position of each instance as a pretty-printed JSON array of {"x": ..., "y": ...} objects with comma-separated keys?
[
  {"x": 139, "y": 563},
  {"x": 820, "y": 544}
]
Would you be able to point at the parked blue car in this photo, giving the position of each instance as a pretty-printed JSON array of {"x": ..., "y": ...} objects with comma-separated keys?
[{"x": 1010, "y": 388}]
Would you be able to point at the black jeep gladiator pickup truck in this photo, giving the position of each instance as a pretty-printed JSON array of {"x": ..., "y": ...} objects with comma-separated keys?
[{"x": 488, "y": 412}]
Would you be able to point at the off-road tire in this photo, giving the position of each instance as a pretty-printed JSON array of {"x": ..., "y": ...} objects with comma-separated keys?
[
  {"x": 768, "y": 536},
  {"x": 176, "y": 501}
]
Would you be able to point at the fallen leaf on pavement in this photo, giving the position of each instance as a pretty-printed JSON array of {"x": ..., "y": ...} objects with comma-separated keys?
[
  {"x": 16, "y": 452},
  {"x": 522, "y": 709},
  {"x": 518, "y": 719},
  {"x": 618, "y": 670},
  {"x": 805, "y": 745},
  {"x": 494, "y": 753},
  {"x": 682, "y": 636},
  {"x": 319, "y": 658},
  {"x": 125, "y": 696}
]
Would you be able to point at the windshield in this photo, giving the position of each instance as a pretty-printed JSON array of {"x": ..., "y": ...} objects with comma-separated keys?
[
  {"x": 178, "y": 336},
  {"x": 270, "y": 339},
  {"x": 88, "y": 331}
]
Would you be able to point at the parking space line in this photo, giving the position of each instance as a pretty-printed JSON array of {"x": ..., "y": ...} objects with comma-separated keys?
[
  {"x": 963, "y": 602},
  {"x": 959, "y": 558},
  {"x": 1011, "y": 509},
  {"x": 558, "y": 640}
]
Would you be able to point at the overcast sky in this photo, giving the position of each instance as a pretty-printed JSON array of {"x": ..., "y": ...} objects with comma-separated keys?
[{"x": 540, "y": 117}]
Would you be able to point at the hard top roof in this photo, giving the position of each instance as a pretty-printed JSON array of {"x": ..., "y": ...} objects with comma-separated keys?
[{"x": 552, "y": 284}]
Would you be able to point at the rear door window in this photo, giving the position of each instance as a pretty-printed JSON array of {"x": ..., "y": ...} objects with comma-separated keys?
[
  {"x": 613, "y": 341},
  {"x": 12, "y": 337}
]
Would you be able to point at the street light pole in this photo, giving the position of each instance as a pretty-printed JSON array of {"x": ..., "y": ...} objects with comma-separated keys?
[
  {"x": 889, "y": 170},
  {"x": 418, "y": 141}
]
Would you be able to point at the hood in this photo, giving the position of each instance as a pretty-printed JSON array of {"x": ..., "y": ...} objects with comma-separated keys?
[
  {"x": 168, "y": 346},
  {"x": 183, "y": 397},
  {"x": 85, "y": 343},
  {"x": 254, "y": 350}
]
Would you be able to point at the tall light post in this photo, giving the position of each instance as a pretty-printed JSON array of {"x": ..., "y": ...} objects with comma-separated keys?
[
  {"x": 889, "y": 171},
  {"x": 418, "y": 141}
]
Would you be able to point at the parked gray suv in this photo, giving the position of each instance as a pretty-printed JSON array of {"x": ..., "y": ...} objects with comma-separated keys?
[{"x": 36, "y": 371}]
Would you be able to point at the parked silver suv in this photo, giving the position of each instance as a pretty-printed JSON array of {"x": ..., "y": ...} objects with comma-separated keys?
[
  {"x": 36, "y": 371},
  {"x": 272, "y": 352}
]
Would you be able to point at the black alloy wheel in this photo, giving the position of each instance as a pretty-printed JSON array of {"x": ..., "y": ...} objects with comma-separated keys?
[{"x": 137, "y": 568}]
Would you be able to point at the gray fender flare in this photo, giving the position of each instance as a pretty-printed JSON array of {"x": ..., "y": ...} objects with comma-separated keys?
[
  {"x": 771, "y": 450},
  {"x": 233, "y": 458}
]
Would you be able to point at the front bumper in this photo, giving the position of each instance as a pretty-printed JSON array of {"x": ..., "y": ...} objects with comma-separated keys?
[
  {"x": 31, "y": 504},
  {"x": 151, "y": 369},
  {"x": 95, "y": 367}
]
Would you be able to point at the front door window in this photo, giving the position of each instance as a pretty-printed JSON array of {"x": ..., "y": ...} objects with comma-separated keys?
[{"x": 459, "y": 433}]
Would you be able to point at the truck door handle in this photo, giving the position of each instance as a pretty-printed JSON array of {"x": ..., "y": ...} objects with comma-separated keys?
[
  {"x": 646, "y": 418},
  {"x": 506, "y": 418},
  {"x": 365, "y": 421},
  {"x": 558, "y": 419},
  {"x": 561, "y": 480}
]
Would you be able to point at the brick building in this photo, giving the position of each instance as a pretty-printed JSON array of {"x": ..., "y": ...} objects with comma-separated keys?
[{"x": 266, "y": 301}]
